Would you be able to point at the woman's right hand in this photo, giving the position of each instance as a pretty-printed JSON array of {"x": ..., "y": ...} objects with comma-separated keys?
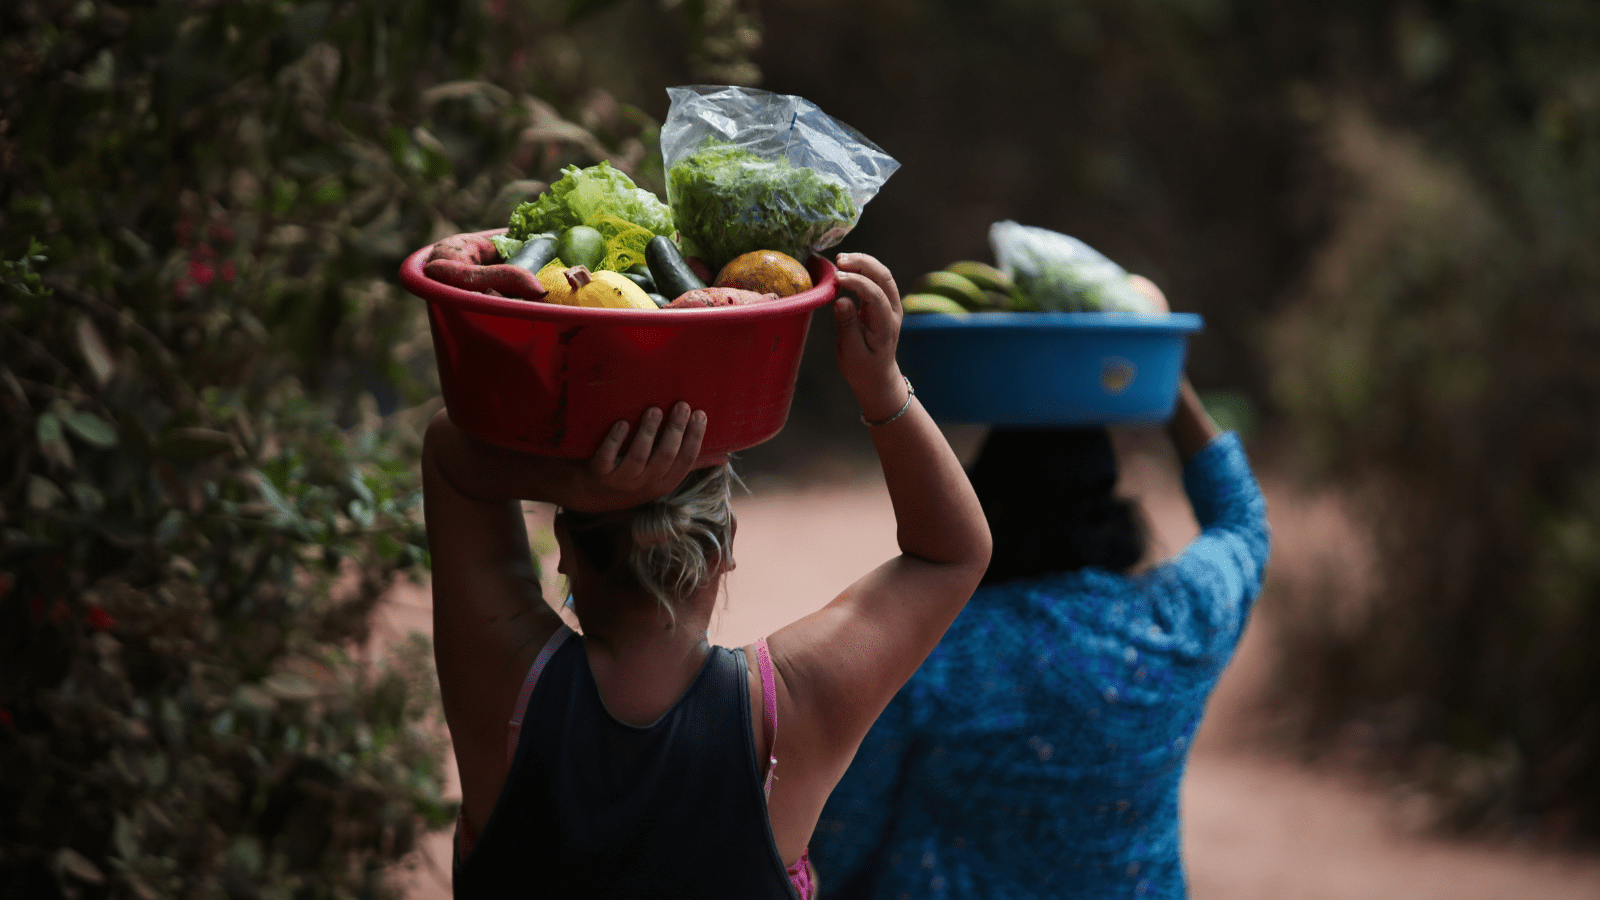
[
  {"x": 1191, "y": 427},
  {"x": 663, "y": 451},
  {"x": 1152, "y": 293}
]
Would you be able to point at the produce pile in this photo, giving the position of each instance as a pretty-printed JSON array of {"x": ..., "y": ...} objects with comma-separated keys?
[
  {"x": 1038, "y": 271},
  {"x": 596, "y": 239},
  {"x": 756, "y": 182}
]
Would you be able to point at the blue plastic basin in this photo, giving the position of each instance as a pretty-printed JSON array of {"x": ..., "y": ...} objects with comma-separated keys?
[{"x": 1021, "y": 369}]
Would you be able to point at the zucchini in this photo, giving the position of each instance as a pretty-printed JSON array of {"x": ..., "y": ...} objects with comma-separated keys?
[
  {"x": 536, "y": 252},
  {"x": 659, "y": 300},
  {"x": 644, "y": 281},
  {"x": 670, "y": 270}
]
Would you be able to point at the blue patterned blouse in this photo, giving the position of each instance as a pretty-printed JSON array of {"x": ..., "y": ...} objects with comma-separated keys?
[{"x": 1038, "y": 750}]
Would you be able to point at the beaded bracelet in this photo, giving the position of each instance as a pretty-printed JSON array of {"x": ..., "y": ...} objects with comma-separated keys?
[{"x": 910, "y": 392}]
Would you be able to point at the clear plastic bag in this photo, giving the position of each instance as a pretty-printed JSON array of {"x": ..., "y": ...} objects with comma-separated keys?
[
  {"x": 748, "y": 169},
  {"x": 1059, "y": 273}
]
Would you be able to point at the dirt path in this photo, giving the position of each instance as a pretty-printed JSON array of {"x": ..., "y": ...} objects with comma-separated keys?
[{"x": 1256, "y": 826}]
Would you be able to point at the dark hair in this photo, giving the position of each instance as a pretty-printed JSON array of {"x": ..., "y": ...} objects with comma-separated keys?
[{"x": 1048, "y": 496}]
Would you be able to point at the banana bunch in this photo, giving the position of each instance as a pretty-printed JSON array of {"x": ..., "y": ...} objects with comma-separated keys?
[{"x": 962, "y": 287}]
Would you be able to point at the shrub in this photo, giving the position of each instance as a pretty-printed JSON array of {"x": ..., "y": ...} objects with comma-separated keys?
[
  {"x": 209, "y": 382},
  {"x": 1441, "y": 365}
]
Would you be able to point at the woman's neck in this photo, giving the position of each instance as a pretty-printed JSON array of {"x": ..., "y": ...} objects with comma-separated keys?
[{"x": 643, "y": 657}]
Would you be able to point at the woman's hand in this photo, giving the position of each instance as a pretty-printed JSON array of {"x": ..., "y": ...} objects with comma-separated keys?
[
  {"x": 1190, "y": 427},
  {"x": 663, "y": 451},
  {"x": 1148, "y": 288},
  {"x": 869, "y": 332}
]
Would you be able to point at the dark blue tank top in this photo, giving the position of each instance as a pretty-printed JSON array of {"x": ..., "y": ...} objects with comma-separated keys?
[{"x": 594, "y": 808}]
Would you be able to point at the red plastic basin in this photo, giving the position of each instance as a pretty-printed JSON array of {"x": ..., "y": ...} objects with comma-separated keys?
[{"x": 550, "y": 379}]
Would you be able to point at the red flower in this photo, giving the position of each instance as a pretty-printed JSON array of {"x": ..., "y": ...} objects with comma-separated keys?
[
  {"x": 100, "y": 620},
  {"x": 228, "y": 271},
  {"x": 201, "y": 272}
]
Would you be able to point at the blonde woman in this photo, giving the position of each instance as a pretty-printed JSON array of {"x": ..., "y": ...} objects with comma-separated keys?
[{"x": 635, "y": 759}]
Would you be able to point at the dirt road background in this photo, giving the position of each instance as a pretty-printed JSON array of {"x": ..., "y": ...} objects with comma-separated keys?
[{"x": 1257, "y": 823}]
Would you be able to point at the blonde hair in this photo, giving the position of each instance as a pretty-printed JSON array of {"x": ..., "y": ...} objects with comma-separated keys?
[{"x": 668, "y": 548}]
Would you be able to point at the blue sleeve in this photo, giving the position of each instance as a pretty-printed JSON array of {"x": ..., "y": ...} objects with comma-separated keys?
[
  {"x": 856, "y": 822},
  {"x": 1226, "y": 563}
]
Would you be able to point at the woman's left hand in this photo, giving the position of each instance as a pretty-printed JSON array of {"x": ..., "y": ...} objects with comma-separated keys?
[{"x": 869, "y": 332}]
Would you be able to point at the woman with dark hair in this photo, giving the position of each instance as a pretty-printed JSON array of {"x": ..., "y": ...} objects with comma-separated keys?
[
  {"x": 1038, "y": 750},
  {"x": 634, "y": 759}
]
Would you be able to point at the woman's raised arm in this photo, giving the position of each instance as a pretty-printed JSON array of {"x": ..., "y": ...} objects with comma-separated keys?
[{"x": 841, "y": 665}]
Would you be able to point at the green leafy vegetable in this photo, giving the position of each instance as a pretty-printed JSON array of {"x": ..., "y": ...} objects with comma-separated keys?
[
  {"x": 728, "y": 201},
  {"x": 506, "y": 244},
  {"x": 583, "y": 195},
  {"x": 1055, "y": 272}
]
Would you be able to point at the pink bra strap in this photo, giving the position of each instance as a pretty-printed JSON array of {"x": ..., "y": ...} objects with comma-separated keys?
[
  {"x": 769, "y": 708},
  {"x": 514, "y": 731},
  {"x": 800, "y": 874}
]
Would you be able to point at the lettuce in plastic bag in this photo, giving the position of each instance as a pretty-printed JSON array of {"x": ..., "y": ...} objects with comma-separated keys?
[
  {"x": 1055, "y": 272},
  {"x": 748, "y": 169},
  {"x": 728, "y": 201},
  {"x": 582, "y": 196}
]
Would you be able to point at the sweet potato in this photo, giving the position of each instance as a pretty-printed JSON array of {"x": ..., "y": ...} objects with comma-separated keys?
[
  {"x": 468, "y": 248},
  {"x": 507, "y": 280},
  {"x": 716, "y": 296}
]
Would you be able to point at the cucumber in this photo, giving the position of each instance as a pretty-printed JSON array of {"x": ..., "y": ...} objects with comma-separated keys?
[
  {"x": 644, "y": 281},
  {"x": 670, "y": 270},
  {"x": 535, "y": 253},
  {"x": 659, "y": 300}
]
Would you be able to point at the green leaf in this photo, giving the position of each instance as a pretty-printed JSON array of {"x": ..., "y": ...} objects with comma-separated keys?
[
  {"x": 170, "y": 526},
  {"x": 91, "y": 429},
  {"x": 359, "y": 484},
  {"x": 291, "y": 686},
  {"x": 52, "y": 443},
  {"x": 388, "y": 548},
  {"x": 360, "y": 513},
  {"x": 271, "y": 494},
  {"x": 244, "y": 853},
  {"x": 94, "y": 350},
  {"x": 43, "y": 493},
  {"x": 193, "y": 444},
  {"x": 125, "y": 838},
  {"x": 71, "y": 862},
  {"x": 89, "y": 498}
]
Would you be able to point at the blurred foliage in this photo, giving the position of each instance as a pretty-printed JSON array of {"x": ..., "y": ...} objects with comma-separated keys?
[
  {"x": 1441, "y": 362},
  {"x": 209, "y": 382},
  {"x": 1387, "y": 212}
]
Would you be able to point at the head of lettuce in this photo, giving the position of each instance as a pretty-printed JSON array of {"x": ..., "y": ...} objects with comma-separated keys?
[{"x": 582, "y": 196}]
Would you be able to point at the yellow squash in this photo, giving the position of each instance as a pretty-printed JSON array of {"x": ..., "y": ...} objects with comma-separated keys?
[{"x": 607, "y": 290}]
